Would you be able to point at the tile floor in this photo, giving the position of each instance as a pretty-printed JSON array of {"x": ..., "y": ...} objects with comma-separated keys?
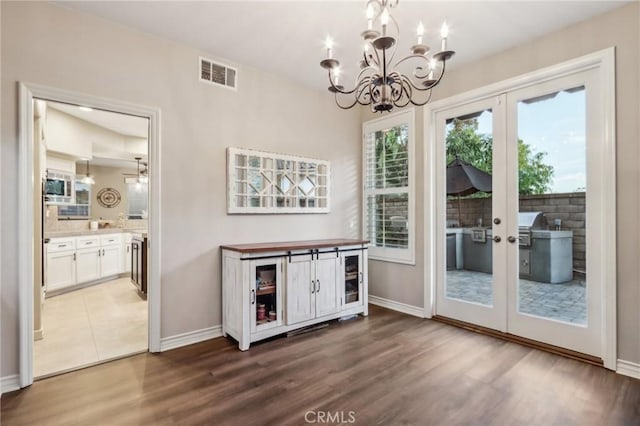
[
  {"x": 563, "y": 302},
  {"x": 91, "y": 325}
]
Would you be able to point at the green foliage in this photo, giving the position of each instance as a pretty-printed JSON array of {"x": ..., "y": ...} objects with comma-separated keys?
[
  {"x": 392, "y": 160},
  {"x": 464, "y": 141}
]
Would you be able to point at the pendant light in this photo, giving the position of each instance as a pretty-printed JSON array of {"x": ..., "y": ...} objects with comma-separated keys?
[{"x": 88, "y": 179}]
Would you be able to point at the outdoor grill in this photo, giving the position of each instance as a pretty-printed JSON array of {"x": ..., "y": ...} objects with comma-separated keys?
[
  {"x": 544, "y": 256},
  {"x": 527, "y": 222}
]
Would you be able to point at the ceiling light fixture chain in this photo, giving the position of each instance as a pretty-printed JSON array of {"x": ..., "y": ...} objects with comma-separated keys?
[{"x": 380, "y": 83}]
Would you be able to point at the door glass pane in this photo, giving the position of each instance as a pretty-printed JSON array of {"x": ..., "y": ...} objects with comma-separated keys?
[
  {"x": 266, "y": 300},
  {"x": 552, "y": 187},
  {"x": 352, "y": 275},
  {"x": 469, "y": 250}
]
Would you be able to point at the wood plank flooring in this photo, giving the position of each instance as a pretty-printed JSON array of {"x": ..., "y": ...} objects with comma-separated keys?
[{"x": 387, "y": 369}]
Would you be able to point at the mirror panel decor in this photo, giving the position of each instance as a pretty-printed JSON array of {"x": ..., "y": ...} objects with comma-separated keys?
[{"x": 264, "y": 182}]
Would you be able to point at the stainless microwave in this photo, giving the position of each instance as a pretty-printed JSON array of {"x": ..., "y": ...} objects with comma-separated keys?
[{"x": 59, "y": 187}]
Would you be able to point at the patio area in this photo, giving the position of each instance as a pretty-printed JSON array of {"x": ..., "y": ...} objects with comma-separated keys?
[{"x": 562, "y": 302}]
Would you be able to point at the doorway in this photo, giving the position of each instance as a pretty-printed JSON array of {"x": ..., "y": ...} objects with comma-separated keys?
[
  {"x": 527, "y": 255},
  {"x": 103, "y": 251},
  {"x": 94, "y": 204}
]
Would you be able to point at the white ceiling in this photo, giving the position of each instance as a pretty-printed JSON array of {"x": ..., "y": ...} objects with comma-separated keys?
[
  {"x": 286, "y": 37},
  {"x": 124, "y": 124}
]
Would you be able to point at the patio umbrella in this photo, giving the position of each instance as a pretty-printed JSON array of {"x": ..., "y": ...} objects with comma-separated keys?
[{"x": 465, "y": 179}]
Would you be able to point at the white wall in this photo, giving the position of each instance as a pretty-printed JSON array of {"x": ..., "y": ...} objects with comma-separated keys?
[
  {"x": 52, "y": 46},
  {"x": 619, "y": 28}
]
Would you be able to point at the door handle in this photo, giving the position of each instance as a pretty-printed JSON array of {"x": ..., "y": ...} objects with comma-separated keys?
[
  {"x": 318, "y": 289},
  {"x": 313, "y": 286},
  {"x": 253, "y": 297},
  {"x": 512, "y": 239},
  {"x": 497, "y": 238},
  {"x": 74, "y": 257}
]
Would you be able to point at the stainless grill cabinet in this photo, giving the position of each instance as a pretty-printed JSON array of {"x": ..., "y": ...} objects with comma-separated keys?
[{"x": 544, "y": 256}]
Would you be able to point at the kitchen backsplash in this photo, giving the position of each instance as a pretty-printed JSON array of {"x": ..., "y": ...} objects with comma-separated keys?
[{"x": 52, "y": 224}]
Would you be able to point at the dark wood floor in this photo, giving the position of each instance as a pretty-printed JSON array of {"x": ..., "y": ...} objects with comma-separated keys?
[{"x": 386, "y": 369}]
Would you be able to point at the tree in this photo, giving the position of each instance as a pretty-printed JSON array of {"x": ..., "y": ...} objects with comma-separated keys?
[{"x": 464, "y": 141}]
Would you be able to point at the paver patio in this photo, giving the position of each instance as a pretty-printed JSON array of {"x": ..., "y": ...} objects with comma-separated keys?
[{"x": 562, "y": 302}]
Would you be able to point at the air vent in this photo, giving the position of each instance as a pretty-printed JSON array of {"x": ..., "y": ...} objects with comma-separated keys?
[{"x": 217, "y": 73}]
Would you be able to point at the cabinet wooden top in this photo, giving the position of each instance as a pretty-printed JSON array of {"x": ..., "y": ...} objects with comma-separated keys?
[{"x": 293, "y": 245}]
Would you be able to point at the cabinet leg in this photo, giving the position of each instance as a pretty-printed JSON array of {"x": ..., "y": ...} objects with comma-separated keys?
[
  {"x": 243, "y": 344},
  {"x": 224, "y": 333}
]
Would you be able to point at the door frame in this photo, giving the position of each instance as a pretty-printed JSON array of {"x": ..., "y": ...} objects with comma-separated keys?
[
  {"x": 27, "y": 92},
  {"x": 604, "y": 62}
]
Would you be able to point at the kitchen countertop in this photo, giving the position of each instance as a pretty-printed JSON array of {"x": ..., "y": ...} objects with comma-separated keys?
[{"x": 80, "y": 233}]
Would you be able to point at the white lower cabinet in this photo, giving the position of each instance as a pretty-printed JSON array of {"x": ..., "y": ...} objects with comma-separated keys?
[
  {"x": 126, "y": 251},
  {"x": 312, "y": 287},
  {"x": 272, "y": 288},
  {"x": 78, "y": 260},
  {"x": 61, "y": 269},
  {"x": 111, "y": 260},
  {"x": 87, "y": 264}
]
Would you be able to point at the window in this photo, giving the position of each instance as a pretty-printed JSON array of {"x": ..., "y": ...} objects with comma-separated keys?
[
  {"x": 388, "y": 187},
  {"x": 79, "y": 210},
  {"x": 137, "y": 200}
]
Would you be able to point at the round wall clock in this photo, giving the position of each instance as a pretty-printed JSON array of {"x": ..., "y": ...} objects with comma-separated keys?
[{"x": 109, "y": 197}]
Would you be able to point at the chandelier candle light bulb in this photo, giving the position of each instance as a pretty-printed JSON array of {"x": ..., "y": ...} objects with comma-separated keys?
[
  {"x": 328, "y": 43},
  {"x": 420, "y": 32},
  {"x": 444, "y": 33},
  {"x": 380, "y": 82}
]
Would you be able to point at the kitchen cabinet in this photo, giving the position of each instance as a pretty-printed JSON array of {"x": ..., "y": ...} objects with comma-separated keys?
[
  {"x": 61, "y": 263},
  {"x": 82, "y": 259},
  {"x": 126, "y": 251},
  {"x": 61, "y": 269},
  {"x": 139, "y": 262},
  {"x": 272, "y": 288},
  {"x": 312, "y": 286}
]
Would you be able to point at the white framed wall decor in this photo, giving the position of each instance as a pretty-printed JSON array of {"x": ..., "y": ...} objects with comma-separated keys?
[{"x": 260, "y": 182}]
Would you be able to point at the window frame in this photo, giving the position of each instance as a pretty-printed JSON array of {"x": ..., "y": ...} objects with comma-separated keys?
[{"x": 387, "y": 254}]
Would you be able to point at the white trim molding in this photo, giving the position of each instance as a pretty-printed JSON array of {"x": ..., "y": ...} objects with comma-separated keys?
[
  {"x": 189, "y": 338},
  {"x": 9, "y": 383},
  {"x": 415, "y": 311},
  {"x": 27, "y": 93},
  {"x": 628, "y": 368},
  {"x": 603, "y": 62}
]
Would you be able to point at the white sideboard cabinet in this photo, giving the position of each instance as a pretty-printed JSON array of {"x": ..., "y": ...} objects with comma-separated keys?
[{"x": 272, "y": 288}]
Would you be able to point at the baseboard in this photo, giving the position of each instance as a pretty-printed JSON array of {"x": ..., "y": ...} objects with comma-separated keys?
[
  {"x": 627, "y": 368},
  {"x": 397, "y": 306},
  {"x": 185, "y": 339},
  {"x": 9, "y": 383}
]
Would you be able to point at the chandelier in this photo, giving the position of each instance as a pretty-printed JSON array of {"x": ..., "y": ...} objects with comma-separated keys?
[{"x": 379, "y": 83}]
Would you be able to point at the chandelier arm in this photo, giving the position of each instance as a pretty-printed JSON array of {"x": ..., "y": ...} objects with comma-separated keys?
[
  {"x": 346, "y": 92},
  {"x": 444, "y": 65},
  {"x": 406, "y": 79},
  {"x": 345, "y": 107}
]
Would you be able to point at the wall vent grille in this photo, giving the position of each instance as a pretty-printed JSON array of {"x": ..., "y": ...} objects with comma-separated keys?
[{"x": 219, "y": 74}]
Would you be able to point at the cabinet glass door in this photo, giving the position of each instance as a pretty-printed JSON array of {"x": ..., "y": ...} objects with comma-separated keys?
[
  {"x": 352, "y": 278},
  {"x": 265, "y": 306}
]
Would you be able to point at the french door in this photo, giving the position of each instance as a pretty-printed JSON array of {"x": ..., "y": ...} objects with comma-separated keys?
[{"x": 521, "y": 255}]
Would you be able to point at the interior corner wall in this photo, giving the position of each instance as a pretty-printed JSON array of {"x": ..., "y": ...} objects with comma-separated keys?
[
  {"x": 56, "y": 47},
  {"x": 620, "y": 28}
]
